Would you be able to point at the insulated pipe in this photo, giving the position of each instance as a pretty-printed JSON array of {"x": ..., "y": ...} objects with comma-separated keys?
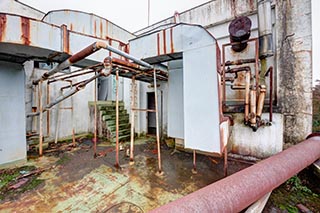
[
  {"x": 265, "y": 28},
  {"x": 117, "y": 165},
  {"x": 253, "y": 107},
  {"x": 261, "y": 100},
  {"x": 234, "y": 193}
]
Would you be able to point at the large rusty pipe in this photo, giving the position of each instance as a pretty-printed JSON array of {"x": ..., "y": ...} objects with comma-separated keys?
[{"x": 236, "y": 192}]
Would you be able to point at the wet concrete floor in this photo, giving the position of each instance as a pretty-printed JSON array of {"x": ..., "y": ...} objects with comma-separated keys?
[{"x": 75, "y": 181}]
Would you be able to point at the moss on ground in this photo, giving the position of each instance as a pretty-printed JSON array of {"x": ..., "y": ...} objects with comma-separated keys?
[
  {"x": 10, "y": 177},
  {"x": 286, "y": 197}
]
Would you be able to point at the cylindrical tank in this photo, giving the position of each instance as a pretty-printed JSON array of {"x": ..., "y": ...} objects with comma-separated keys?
[{"x": 239, "y": 30}]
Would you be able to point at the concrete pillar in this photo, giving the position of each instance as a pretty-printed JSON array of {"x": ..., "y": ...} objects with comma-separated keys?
[
  {"x": 12, "y": 113},
  {"x": 294, "y": 65}
]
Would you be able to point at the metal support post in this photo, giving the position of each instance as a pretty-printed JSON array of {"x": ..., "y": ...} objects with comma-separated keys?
[
  {"x": 133, "y": 90},
  {"x": 95, "y": 119},
  {"x": 157, "y": 121},
  {"x": 48, "y": 113},
  {"x": 194, "y": 169},
  {"x": 40, "y": 119},
  {"x": 117, "y": 165}
]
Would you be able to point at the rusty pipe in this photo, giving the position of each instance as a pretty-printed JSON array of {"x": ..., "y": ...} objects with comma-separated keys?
[
  {"x": 271, "y": 94},
  {"x": 240, "y": 62},
  {"x": 70, "y": 61},
  {"x": 133, "y": 91},
  {"x": 262, "y": 96},
  {"x": 117, "y": 165},
  {"x": 86, "y": 52},
  {"x": 236, "y": 192},
  {"x": 253, "y": 118},
  {"x": 247, "y": 95}
]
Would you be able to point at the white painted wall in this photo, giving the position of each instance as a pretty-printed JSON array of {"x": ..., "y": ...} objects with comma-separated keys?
[
  {"x": 216, "y": 16},
  {"x": 12, "y": 113},
  {"x": 16, "y": 7}
]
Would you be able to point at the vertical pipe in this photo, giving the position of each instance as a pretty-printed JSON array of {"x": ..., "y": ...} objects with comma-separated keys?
[
  {"x": 247, "y": 94},
  {"x": 40, "y": 119},
  {"x": 257, "y": 62},
  {"x": 194, "y": 169},
  {"x": 58, "y": 120},
  {"x": 48, "y": 112},
  {"x": 95, "y": 118},
  {"x": 72, "y": 120},
  {"x": 262, "y": 96},
  {"x": 253, "y": 95},
  {"x": 225, "y": 162},
  {"x": 271, "y": 95},
  {"x": 117, "y": 120},
  {"x": 223, "y": 76},
  {"x": 133, "y": 90},
  {"x": 157, "y": 121}
]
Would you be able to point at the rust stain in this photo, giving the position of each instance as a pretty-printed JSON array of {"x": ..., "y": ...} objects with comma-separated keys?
[
  {"x": 107, "y": 28},
  {"x": 25, "y": 29},
  {"x": 95, "y": 28},
  {"x": 65, "y": 34},
  {"x": 71, "y": 27},
  {"x": 171, "y": 40},
  {"x": 164, "y": 42},
  {"x": 110, "y": 43},
  {"x": 251, "y": 4},
  {"x": 233, "y": 8},
  {"x": 101, "y": 29},
  {"x": 158, "y": 43},
  {"x": 3, "y": 23}
]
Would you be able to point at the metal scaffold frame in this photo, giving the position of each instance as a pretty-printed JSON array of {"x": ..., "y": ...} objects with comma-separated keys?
[{"x": 136, "y": 70}]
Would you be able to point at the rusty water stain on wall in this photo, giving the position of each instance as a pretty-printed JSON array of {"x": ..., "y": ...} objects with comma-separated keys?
[
  {"x": 171, "y": 39},
  {"x": 3, "y": 23},
  {"x": 25, "y": 29}
]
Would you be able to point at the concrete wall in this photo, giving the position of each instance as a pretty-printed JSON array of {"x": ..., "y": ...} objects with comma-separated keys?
[
  {"x": 12, "y": 114},
  {"x": 294, "y": 62},
  {"x": 292, "y": 65},
  {"x": 80, "y": 120}
]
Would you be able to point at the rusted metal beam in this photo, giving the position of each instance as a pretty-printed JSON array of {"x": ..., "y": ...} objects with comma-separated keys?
[{"x": 236, "y": 192}]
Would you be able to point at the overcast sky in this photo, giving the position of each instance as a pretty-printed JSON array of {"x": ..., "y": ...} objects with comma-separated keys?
[
  {"x": 133, "y": 14},
  {"x": 129, "y": 14}
]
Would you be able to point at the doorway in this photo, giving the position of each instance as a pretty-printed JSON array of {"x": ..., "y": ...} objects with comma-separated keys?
[{"x": 151, "y": 116}]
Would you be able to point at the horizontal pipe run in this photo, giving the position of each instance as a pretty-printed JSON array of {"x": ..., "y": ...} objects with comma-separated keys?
[
  {"x": 86, "y": 52},
  {"x": 240, "y": 62},
  {"x": 144, "y": 110},
  {"x": 236, "y": 192}
]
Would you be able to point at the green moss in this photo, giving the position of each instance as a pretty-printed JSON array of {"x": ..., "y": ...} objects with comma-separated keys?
[
  {"x": 293, "y": 192},
  {"x": 9, "y": 177},
  {"x": 63, "y": 160}
]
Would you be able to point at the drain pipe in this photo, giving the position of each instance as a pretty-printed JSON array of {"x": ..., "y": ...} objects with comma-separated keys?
[{"x": 236, "y": 192}]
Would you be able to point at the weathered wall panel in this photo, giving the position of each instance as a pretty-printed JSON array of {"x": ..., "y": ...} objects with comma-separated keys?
[{"x": 12, "y": 113}]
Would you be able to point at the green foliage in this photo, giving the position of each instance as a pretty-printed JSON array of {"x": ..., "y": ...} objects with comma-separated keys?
[
  {"x": 295, "y": 185},
  {"x": 316, "y": 107}
]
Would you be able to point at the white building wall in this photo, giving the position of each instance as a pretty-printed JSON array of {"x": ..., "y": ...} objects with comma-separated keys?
[
  {"x": 216, "y": 16},
  {"x": 18, "y": 8},
  {"x": 12, "y": 115}
]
